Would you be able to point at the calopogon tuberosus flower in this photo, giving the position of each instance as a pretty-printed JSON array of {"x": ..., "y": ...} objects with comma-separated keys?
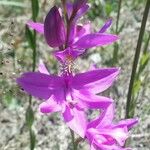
[
  {"x": 71, "y": 40},
  {"x": 70, "y": 94},
  {"x": 103, "y": 134}
]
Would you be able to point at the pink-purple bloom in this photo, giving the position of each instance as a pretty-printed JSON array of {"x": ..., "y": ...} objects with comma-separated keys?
[
  {"x": 103, "y": 134},
  {"x": 73, "y": 94},
  {"x": 70, "y": 94},
  {"x": 80, "y": 36}
]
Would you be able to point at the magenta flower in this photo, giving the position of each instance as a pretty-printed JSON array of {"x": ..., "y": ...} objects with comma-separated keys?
[
  {"x": 77, "y": 38},
  {"x": 103, "y": 134},
  {"x": 70, "y": 94}
]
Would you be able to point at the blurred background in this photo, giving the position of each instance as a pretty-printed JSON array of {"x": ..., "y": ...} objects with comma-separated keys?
[{"x": 16, "y": 57}]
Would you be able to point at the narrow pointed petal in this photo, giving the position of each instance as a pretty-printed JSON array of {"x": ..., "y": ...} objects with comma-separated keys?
[
  {"x": 78, "y": 4},
  {"x": 40, "y": 85},
  {"x": 82, "y": 30},
  {"x": 128, "y": 122},
  {"x": 39, "y": 27},
  {"x": 105, "y": 118},
  {"x": 115, "y": 134},
  {"x": 42, "y": 68},
  {"x": 96, "y": 80},
  {"x": 69, "y": 7},
  {"x": 91, "y": 101},
  {"x": 75, "y": 120},
  {"x": 106, "y": 26},
  {"x": 110, "y": 147},
  {"x": 54, "y": 29},
  {"x": 49, "y": 106},
  {"x": 92, "y": 147},
  {"x": 95, "y": 39},
  {"x": 81, "y": 12}
]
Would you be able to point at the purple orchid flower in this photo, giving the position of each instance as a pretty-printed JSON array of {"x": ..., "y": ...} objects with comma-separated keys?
[
  {"x": 103, "y": 134},
  {"x": 80, "y": 37},
  {"x": 70, "y": 94}
]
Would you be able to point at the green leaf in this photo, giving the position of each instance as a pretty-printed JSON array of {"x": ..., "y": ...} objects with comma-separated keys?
[
  {"x": 35, "y": 9},
  {"x": 29, "y": 116},
  {"x": 30, "y": 37},
  {"x": 121, "y": 28},
  {"x": 32, "y": 139},
  {"x": 108, "y": 8},
  {"x": 144, "y": 61},
  {"x": 137, "y": 86}
]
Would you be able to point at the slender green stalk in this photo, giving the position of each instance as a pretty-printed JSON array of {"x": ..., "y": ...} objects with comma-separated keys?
[
  {"x": 75, "y": 144},
  {"x": 118, "y": 16},
  {"x": 116, "y": 46},
  {"x": 31, "y": 36},
  {"x": 146, "y": 44},
  {"x": 130, "y": 103}
]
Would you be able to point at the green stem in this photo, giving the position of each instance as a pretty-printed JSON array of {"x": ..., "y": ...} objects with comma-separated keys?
[
  {"x": 75, "y": 145},
  {"x": 118, "y": 16},
  {"x": 146, "y": 44},
  {"x": 34, "y": 52},
  {"x": 116, "y": 46},
  {"x": 136, "y": 60},
  {"x": 30, "y": 116}
]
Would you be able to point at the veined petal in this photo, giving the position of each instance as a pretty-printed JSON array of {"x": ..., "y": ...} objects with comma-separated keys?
[
  {"x": 92, "y": 147},
  {"x": 118, "y": 134},
  {"x": 69, "y": 7},
  {"x": 54, "y": 29},
  {"x": 40, "y": 85},
  {"x": 81, "y": 12},
  {"x": 106, "y": 26},
  {"x": 96, "y": 80},
  {"x": 42, "y": 68},
  {"x": 75, "y": 120},
  {"x": 109, "y": 147},
  {"x": 78, "y": 4},
  {"x": 82, "y": 30},
  {"x": 105, "y": 118},
  {"x": 39, "y": 27},
  {"x": 127, "y": 122},
  {"x": 91, "y": 101},
  {"x": 95, "y": 39},
  {"x": 49, "y": 106}
]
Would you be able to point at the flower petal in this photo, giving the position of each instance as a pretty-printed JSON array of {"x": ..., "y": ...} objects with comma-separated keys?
[
  {"x": 82, "y": 30},
  {"x": 39, "y": 27},
  {"x": 91, "y": 101},
  {"x": 76, "y": 120},
  {"x": 105, "y": 118},
  {"x": 96, "y": 80},
  {"x": 95, "y": 39},
  {"x": 54, "y": 29},
  {"x": 106, "y": 26},
  {"x": 128, "y": 122},
  {"x": 81, "y": 12},
  {"x": 49, "y": 106},
  {"x": 118, "y": 134},
  {"x": 40, "y": 85},
  {"x": 66, "y": 54},
  {"x": 42, "y": 68},
  {"x": 78, "y": 4}
]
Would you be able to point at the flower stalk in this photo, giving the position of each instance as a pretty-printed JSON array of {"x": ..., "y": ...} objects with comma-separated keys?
[
  {"x": 31, "y": 36},
  {"x": 75, "y": 145},
  {"x": 130, "y": 105},
  {"x": 116, "y": 46}
]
